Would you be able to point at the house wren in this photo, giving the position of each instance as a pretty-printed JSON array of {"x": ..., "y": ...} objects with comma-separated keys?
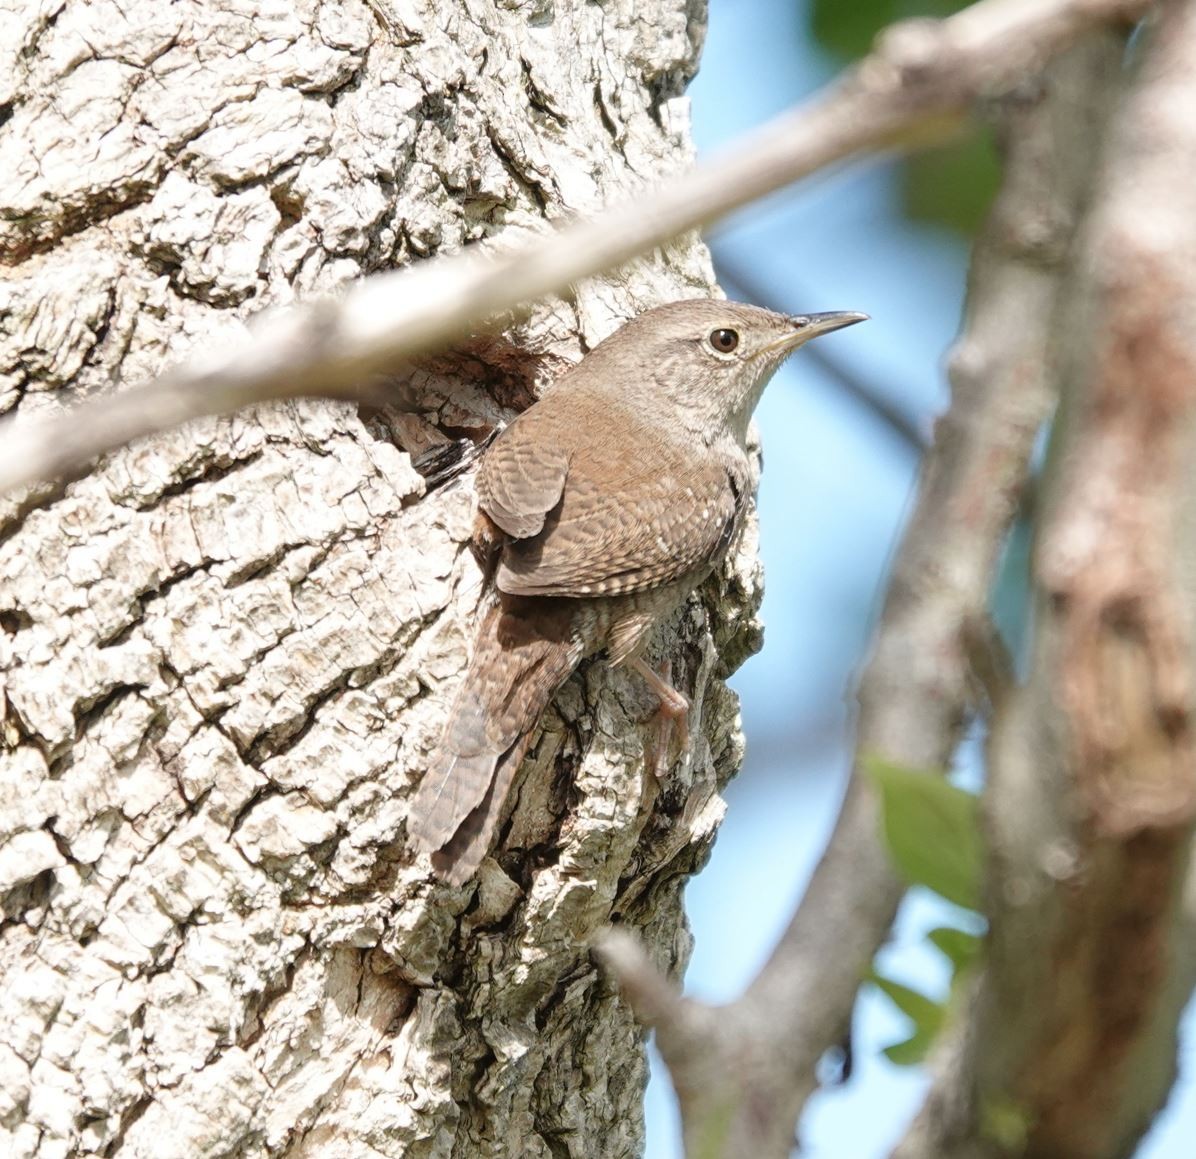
[{"x": 600, "y": 508}]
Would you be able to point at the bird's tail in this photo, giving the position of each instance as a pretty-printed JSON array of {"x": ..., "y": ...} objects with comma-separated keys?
[{"x": 521, "y": 657}]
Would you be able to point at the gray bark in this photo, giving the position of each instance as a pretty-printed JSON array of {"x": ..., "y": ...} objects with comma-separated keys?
[{"x": 226, "y": 651}]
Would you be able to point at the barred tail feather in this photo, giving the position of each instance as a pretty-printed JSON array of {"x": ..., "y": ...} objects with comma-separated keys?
[
  {"x": 521, "y": 658},
  {"x": 458, "y": 861},
  {"x": 451, "y": 789}
]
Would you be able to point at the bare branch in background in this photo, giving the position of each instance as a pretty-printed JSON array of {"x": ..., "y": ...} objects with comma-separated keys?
[
  {"x": 922, "y": 79},
  {"x": 915, "y": 694},
  {"x": 1092, "y": 770}
]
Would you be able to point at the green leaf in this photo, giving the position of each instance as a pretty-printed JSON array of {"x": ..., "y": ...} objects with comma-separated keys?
[
  {"x": 914, "y": 1005},
  {"x": 926, "y": 1015},
  {"x": 952, "y": 185},
  {"x": 932, "y": 829},
  {"x": 1002, "y": 1121},
  {"x": 714, "y": 1129},
  {"x": 911, "y": 1052},
  {"x": 960, "y": 947},
  {"x": 848, "y": 27}
]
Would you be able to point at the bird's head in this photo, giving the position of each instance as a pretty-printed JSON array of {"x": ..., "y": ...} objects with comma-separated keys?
[{"x": 711, "y": 358}]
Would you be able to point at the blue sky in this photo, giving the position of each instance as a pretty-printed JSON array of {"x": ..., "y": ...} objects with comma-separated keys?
[{"x": 837, "y": 485}]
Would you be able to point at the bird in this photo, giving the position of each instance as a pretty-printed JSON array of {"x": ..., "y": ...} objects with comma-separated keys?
[{"x": 600, "y": 508}]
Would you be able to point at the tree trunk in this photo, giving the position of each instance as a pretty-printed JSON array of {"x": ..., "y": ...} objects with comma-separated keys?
[{"x": 227, "y": 651}]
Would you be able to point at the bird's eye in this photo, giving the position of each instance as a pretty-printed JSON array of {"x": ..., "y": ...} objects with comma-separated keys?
[{"x": 724, "y": 341}]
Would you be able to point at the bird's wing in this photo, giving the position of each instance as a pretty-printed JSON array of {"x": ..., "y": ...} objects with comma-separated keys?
[
  {"x": 627, "y": 524},
  {"x": 522, "y": 476}
]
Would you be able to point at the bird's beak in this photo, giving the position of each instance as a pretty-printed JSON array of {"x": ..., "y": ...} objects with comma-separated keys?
[
  {"x": 807, "y": 326},
  {"x": 814, "y": 325}
]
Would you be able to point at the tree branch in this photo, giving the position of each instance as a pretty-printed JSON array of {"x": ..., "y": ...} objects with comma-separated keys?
[
  {"x": 921, "y": 79},
  {"x": 916, "y": 691},
  {"x": 1092, "y": 793}
]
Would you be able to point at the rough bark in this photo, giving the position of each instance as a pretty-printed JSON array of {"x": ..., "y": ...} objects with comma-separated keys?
[{"x": 226, "y": 651}]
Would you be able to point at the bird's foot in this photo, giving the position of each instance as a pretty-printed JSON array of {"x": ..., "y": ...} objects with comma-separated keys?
[{"x": 672, "y": 716}]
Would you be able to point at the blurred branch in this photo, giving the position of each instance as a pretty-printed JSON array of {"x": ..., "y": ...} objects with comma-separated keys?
[
  {"x": 908, "y": 430},
  {"x": 913, "y": 90},
  {"x": 1070, "y": 1047},
  {"x": 916, "y": 691}
]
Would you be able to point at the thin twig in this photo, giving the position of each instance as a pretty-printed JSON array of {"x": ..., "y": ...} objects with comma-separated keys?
[
  {"x": 654, "y": 998},
  {"x": 922, "y": 79}
]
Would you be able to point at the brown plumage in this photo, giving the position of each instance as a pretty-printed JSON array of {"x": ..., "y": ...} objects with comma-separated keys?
[{"x": 607, "y": 502}]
